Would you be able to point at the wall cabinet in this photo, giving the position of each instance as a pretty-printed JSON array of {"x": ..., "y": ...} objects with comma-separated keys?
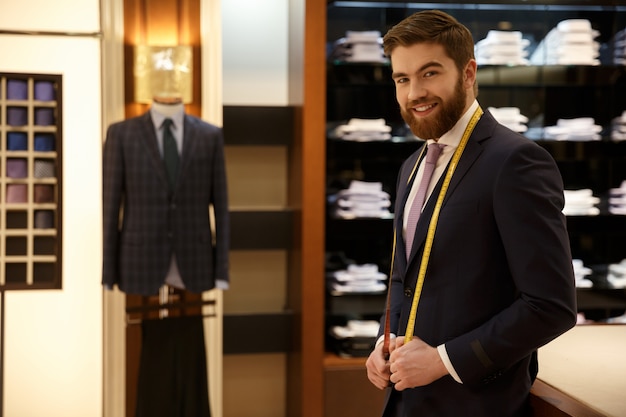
[{"x": 543, "y": 93}]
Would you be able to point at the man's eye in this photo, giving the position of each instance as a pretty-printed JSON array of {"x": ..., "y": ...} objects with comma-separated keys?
[{"x": 401, "y": 80}]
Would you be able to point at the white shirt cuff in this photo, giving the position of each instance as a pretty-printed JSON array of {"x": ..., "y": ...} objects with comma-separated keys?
[
  {"x": 443, "y": 353},
  {"x": 381, "y": 339},
  {"x": 221, "y": 284}
]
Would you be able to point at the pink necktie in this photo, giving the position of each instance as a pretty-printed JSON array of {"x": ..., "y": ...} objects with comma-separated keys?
[{"x": 434, "y": 150}]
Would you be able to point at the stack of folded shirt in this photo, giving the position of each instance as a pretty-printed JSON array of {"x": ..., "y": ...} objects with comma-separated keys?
[
  {"x": 361, "y": 199},
  {"x": 619, "y": 48},
  {"x": 357, "y": 328},
  {"x": 617, "y": 199},
  {"x": 359, "y": 46},
  {"x": 364, "y": 130},
  {"x": 580, "y": 203},
  {"x": 356, "y": 339},
  {"x": 355, "y": 278},
  {"x": 618, "y": 127},
  {"x": 511, "y": 117},
  {"x": 571, "y": 42},
  {"x": 577, "y": 129},
  {"x": 502, "y": 48},
  {"x": 581, "y": 272},
  {"x": 617, "y": 274}
]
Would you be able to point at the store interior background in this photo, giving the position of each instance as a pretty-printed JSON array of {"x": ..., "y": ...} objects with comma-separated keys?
[{"x": 65, "y": 351}]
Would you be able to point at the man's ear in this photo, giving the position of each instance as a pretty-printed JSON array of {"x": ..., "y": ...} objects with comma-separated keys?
[{"x": 469, "y": 74}]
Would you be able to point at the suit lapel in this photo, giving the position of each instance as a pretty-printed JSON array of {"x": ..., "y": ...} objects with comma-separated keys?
[
  {"x": 470, "y": 154},
  {"x": 189, "y": 145}
]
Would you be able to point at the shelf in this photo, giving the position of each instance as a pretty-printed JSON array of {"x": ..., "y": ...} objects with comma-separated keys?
[
  {"x": 543, "y": 93},
  {"x": 332, "y": 360}
]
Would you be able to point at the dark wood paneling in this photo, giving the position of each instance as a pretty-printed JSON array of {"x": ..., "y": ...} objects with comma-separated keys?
[
  {"x": 348, "y": 392},
  {"x": 258, "y": 125},
  {"x": 257, "y": 333},
  {"x": 261, "y": 229}
]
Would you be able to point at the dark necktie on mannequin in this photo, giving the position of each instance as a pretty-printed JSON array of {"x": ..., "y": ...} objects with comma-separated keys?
[
  {"x": 170, "y": 153},
  {"x": 434, "y": 150}
]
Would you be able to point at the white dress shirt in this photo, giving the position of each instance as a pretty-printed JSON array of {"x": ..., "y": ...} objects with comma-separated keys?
[{"x": 176, "y": 112}]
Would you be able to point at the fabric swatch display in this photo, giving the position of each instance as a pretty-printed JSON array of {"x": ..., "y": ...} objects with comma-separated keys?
[
  {"x": 363, "y": 130},
  {"x": 43, "y": 193},
  {"x": 44, "y": 91},
  {"x": 17, "y": 141},
  {"x": 359, "y": 46},
  {"x": 581, "y": 272},
  {"x": 577, "y": 129},
  {"x": 17, "y": 116},
  {"x": 44, "y": 142},
  {"x": 580, "y": 203},
  {"x": 365, "y": 278},
  {"x": 361, "y": 199},
  {"x": 44, "y": 219},
  {"x": 44, "y": 169},
  {"x": 44, "y": 116},
  {"x": 17, "y": 193},
  {"x": 617, "y": 199},
  {"x": 17, "y": 89},
  {"x": 511, "y": 117},
  {"x": 502, "y": 48},
  {"x": 17, "y": 168},
  {"x": 571, "y": 42},
  {"x": 618, "y": 127}
]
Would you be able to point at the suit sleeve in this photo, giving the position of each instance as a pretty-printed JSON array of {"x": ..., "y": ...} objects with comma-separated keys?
[
  {"x": 112, "y": 192},
  {"x": 528, "y": 203},
  {"x": 220, "y": 206}
]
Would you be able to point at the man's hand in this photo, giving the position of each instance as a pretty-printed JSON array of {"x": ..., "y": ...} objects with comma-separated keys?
[
  {"x": 378, "y": 366},
  {"x": 414, "y": 364}
]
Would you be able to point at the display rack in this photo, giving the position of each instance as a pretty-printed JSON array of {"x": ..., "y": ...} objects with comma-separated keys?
[
  {"x": 30, "y": 181},
  {"x": 544, "y": 93},
  {"x": 30, "y": 188}
]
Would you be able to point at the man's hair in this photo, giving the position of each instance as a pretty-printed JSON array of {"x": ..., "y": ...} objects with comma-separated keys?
[{"x": 433, "y": 26}]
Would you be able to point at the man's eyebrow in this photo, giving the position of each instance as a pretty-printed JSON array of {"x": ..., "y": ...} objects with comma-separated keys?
[{"x": 420, "y": 69}]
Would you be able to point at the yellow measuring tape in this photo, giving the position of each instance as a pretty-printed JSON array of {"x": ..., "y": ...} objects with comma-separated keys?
[{"x": 432, "y": 226}]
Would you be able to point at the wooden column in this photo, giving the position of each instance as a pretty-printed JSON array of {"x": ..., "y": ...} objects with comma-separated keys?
[{"x": 307, "y": 197}]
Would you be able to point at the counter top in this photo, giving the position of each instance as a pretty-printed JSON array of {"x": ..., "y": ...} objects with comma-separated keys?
[{"x": 588, "y": 364}]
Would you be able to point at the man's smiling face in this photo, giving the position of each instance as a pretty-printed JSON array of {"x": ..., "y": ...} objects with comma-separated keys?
[{"x": 430, "y": 90}]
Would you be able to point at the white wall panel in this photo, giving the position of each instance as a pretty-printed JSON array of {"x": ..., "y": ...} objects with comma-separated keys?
[
  {"x": 255, "y": 52},
  {"x": 47, "y": 15},
  {"x": 53, "y": 338}
]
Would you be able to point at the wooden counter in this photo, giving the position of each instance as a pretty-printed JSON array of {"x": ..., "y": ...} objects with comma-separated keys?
[{"x": 583, "y": 373}]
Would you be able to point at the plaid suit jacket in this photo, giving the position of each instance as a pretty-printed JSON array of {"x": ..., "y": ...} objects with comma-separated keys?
[{"x": 144, "y": 223}]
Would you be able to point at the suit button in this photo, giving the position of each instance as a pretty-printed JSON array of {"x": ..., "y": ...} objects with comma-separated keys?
[{"x": 407, "y": 291}]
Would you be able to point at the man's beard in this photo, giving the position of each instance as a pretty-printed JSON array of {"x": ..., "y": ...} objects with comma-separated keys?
[{"x": 435, "y": 127}]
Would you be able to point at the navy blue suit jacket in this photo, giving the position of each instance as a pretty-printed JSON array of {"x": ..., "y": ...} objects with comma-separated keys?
[{"x": 499, "y": 282}]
